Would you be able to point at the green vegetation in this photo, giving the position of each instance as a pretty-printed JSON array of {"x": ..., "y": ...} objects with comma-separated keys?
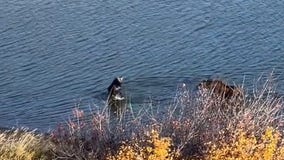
[{"x": 192, "y": 127}]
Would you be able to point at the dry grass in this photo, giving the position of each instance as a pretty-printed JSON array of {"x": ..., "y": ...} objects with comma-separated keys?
[{"x": 22, "y": 145}]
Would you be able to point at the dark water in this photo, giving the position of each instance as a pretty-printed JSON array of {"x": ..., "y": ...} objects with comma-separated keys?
[{"x": 57, "y": 53}]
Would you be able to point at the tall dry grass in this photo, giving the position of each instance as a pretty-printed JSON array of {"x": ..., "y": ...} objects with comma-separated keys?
[{"x": 21, "y": 144}]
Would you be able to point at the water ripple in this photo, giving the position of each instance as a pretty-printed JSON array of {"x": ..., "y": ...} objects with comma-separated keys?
[{"x": 54, "y": 54}]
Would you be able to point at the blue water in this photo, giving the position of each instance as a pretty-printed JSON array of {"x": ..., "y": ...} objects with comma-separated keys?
[{"x": 55, "y": 54}]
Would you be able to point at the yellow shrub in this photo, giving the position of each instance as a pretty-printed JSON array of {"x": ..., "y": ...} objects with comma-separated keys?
[
  {"x": 161, "y": 147},
  {"x": 155, "y": 148},
  {"x": 249, "y": 147},
  {"x": 19, "y": 145}
]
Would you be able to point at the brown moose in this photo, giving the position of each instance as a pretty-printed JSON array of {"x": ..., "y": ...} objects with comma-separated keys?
[{"x": 221, "y": 89}]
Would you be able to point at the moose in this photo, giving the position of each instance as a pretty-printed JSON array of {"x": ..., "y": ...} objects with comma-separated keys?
[
  {"x": 221, "y": 89},
  {"x": 116, "y": 100}
]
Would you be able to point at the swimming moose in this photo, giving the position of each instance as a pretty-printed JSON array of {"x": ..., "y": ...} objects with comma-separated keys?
[{"x": 220, "y": 89}]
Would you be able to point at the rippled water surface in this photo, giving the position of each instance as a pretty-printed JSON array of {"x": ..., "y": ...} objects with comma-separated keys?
[{"x": 58, "y": 53}]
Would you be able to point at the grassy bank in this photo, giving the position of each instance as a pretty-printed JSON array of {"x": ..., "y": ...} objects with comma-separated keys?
[{"x": 191, "y": 127}]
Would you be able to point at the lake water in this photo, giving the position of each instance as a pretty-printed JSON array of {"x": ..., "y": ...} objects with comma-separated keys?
[{"x": 55, "y": 54}]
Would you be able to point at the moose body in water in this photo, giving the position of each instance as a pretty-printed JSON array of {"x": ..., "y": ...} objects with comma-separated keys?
[
  {"x": 116, "y": 100},
  {"x": 221, "y": 89},
  {"x": 224, "y": 97}
]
